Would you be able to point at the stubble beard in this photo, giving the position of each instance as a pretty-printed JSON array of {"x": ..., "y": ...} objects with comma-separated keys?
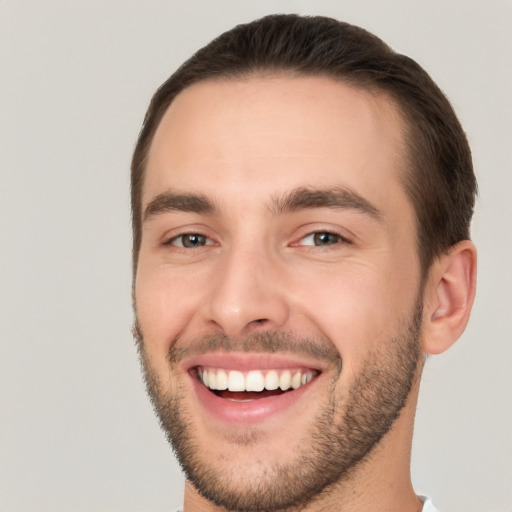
[{"x": 340, "y": 439}]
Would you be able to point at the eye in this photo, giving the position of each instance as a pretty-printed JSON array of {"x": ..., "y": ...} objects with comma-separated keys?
[
  {"x": 190, "y": 241},
  {"x": 322, "y": 239}
]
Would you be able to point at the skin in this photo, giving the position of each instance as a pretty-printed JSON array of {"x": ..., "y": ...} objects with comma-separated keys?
[{"x": 243, "y": 144}]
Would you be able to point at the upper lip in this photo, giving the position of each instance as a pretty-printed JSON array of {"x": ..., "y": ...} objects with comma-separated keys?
[{"x": 243, "y": 361}]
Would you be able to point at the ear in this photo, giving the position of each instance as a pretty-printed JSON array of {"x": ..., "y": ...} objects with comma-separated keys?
[{"x": 449, "y": 296}]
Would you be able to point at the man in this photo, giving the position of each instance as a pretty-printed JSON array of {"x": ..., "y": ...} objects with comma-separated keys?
[{"x": 301, "y": 199}]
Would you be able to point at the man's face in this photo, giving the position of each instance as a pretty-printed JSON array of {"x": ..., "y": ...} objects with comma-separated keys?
[{"x": 278, "y": 251}]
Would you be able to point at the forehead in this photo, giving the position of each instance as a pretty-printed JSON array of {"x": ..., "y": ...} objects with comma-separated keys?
[{"x": 265, "y": 133}]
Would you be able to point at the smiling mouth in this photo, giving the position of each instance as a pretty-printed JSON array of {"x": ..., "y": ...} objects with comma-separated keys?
[{"x": 252, "y": 385}]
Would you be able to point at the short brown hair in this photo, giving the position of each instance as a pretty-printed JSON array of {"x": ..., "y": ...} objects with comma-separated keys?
[{"x": 441, "y": 185}]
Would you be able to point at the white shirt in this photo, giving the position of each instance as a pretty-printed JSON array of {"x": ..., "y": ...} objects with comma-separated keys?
[{"x": 427, "y": 505}]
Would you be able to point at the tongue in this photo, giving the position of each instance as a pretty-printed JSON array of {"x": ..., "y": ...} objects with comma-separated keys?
[{"x": 247, "y": 395}]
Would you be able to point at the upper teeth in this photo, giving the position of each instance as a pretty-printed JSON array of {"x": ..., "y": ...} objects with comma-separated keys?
[{"x": 254, "y": 380}]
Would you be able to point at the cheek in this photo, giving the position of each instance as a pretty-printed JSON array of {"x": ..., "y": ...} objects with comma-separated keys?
[
  {"x": 358, "y": 308},
  {"x": 165, "y": 304}
]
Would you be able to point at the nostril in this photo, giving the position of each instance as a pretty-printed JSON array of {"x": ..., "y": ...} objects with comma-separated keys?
[{"x": 255, "y": 325}]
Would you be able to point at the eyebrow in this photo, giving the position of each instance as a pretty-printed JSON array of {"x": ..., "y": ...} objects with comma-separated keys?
[
  {"x": 342, "y": 198},
  {"x": 170, "y": 201},
  {"x": 302, "y": 198}
]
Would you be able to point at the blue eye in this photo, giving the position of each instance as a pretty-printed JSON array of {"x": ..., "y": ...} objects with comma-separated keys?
[
  {"x": 322, "y": 239},
  {"x": 190, "y": 241}
]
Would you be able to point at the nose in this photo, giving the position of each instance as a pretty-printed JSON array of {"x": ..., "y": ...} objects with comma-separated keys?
[{"x": 247, "y": 293}]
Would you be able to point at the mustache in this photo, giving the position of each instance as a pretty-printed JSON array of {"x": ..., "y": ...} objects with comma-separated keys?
[{"x": 262, "y": 342}]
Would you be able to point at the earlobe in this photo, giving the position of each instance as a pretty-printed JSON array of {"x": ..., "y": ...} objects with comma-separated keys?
[{"x": 449, "y": 297}]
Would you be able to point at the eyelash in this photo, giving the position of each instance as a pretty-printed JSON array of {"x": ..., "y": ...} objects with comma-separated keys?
[
  {"x": 183, "y": 236},
  {"x": 338, "y": 240}
]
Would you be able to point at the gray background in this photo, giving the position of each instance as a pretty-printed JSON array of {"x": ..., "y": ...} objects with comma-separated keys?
[{"x": 76, "y": 430}]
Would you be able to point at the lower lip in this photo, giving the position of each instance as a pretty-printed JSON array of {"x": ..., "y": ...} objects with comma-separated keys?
[{"x": 229, "y": 411}]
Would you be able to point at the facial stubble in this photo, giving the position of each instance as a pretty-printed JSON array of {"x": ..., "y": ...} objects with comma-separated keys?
[{"x": 342, "y": 436}]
